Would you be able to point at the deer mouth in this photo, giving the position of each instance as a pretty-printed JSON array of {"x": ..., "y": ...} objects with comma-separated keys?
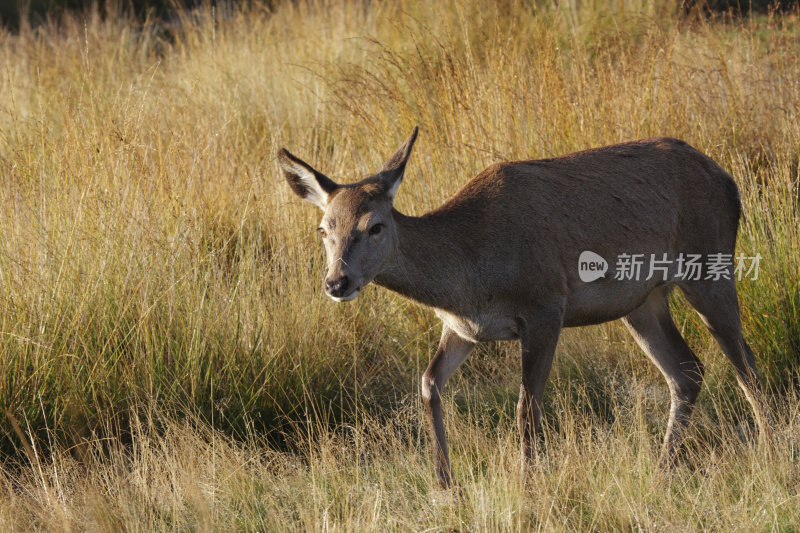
[{"x": 347, "y": 298}]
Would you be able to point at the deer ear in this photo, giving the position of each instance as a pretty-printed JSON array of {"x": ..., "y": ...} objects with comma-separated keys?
[
  {"x": 391, "y": 175},
  {"x": 306, "y": 182}
]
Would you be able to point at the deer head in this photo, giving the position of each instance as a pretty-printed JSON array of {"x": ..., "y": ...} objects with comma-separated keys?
[{"x": 357, "y": 225}]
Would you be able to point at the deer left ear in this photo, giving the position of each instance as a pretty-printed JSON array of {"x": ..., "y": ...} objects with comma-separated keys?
[
  {"x": 306, "y": 182},
  {"x": 391, "y": 175}
]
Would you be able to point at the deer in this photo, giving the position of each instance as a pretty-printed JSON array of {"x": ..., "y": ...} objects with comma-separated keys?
[{"x": 500, "y": 260}]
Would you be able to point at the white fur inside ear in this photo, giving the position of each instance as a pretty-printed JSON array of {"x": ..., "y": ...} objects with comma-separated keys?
[
  {"x": 393, "y": 189},
  {"x": 316, "y": 194}
]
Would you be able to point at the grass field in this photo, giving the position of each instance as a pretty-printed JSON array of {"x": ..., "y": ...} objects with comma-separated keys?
[{"x": 168, "y": 360}]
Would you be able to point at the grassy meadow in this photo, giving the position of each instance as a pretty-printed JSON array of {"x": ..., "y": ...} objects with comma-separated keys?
[{"x": 169, "y": 361}]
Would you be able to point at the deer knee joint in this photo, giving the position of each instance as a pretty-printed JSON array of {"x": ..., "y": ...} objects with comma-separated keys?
[{"x": 430, "y": 390}]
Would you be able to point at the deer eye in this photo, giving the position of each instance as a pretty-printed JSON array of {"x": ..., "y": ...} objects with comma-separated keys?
[
  {"x": 376, "y": 229},
  {"x": 322, "y": 232}
]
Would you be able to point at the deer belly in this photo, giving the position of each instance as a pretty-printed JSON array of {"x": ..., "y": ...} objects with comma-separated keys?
[
  {"x": 602, "y": 302},
  {"x": 480, "y": 327}
]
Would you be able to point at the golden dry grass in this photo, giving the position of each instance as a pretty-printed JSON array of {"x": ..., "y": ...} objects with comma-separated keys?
[{"x": 168, "y": 361}]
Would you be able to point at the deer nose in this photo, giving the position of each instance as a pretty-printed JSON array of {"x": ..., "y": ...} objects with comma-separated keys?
[{"x": 337, "y": 287}]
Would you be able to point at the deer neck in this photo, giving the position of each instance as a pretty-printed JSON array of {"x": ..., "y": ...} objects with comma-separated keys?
[{"x": 427, "y": 262}]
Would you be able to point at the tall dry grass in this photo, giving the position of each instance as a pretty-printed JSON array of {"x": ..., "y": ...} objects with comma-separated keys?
[{"x": 168, "y": 360}]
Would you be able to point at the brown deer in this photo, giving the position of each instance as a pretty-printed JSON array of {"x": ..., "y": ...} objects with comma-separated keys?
[{"x": 500, "y": 260}]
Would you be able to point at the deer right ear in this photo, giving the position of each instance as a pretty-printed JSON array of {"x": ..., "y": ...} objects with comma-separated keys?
[
  {"x": 391, "y": 175},
  {"x": 306, "y": 182}
]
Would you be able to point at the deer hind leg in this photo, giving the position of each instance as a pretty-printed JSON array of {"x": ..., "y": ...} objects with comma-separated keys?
[
  {"x": 652, "y": 326},
  {"x": 452, "y": 351},
  {"x": 717, "y": 304}
]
